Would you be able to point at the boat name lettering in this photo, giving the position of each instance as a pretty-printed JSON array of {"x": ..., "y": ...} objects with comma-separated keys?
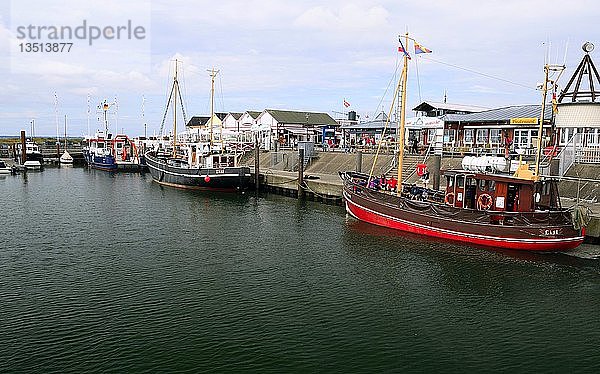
[
  {"x": 551, "y": 232},
  {"x": 220, "y": 171}
]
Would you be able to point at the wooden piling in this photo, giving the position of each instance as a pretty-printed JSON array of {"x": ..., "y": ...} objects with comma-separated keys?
[
  {"x": 301, "y": 191},
  {"x": 256, "y": 164},
  {"x": 358, "y": 161},
  {"x": 435, "y": 172},
  {"x": 23, "y": 149}
]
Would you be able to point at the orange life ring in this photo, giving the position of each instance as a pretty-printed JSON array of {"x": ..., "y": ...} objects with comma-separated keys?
[
  {"x": 484, "y": 201},
  {"x": 449, "y": 198}
]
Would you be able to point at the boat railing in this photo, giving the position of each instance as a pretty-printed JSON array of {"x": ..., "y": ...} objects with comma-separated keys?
[{"x": 567, "y": 156}]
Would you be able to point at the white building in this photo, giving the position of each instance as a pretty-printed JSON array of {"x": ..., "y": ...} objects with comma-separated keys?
[{"x": 287, "y": 127}]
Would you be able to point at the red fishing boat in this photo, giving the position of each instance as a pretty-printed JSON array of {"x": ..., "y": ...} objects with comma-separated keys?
[{"x": 478, "y": 206}]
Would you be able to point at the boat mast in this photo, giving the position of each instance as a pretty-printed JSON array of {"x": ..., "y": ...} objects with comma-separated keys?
[
  {"x": 56, "y": 116},
  {"x": 105, "y": 107},
  {"x": 538, "y": 154},
  {"x": 65, "y": 132},
  {"x": 402, "y": 118},
  {"x": 88, "y": 115},
  {"x": 175, "y": 87},
  {"x": 213, "y": 74},
  {"x": 540, "y": 128}
]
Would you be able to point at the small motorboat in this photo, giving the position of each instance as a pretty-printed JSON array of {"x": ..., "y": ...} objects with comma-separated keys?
[{"x": 4, "y": 170}]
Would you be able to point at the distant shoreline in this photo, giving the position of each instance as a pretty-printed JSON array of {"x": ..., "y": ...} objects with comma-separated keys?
[{"x": 37, "y": 139}]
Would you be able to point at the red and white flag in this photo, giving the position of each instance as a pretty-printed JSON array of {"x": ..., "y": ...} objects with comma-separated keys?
[{"x": 346, "y": 104}]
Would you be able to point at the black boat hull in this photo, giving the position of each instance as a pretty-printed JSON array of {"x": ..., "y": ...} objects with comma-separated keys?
[{"x": 216, "y": 179}]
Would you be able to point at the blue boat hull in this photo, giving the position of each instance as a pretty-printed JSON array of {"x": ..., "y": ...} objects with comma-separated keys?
[{"x": 107, "y": 163}]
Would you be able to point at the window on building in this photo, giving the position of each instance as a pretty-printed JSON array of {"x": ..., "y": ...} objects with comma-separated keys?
[
  {"x": 431, "y": 135},
  {"x": 567, "y": 133},
  {"x": 449, "y": 136},
  {"x": 468, "y": 136},
  {"x": 525, "y": 138},
  {"x": 495, "y": 136},
  {"x": 595, "y": 137},
  {"x": 521, "y": 138},
  {"x": 482, "y": 136}
]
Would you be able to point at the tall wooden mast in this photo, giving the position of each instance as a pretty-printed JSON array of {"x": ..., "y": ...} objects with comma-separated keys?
[
  {"x": 402, "y": 116},
  {"x": 213, "y": 73},
  {"x": 175, "y": 87}
]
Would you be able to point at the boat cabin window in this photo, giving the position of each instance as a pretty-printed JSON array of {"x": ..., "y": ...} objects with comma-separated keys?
[
  {"x": 100, "y": 145},
  {"x": 482, "y": 184},
  {"x": 512, "y": 198},
  {"x": 460, "y": 181},
  {"x": 450, "y": 182},
  {"x": 119, "y": 145},
  {"x": 492, "y": 186},
  {"x": 471, "y": 187}
]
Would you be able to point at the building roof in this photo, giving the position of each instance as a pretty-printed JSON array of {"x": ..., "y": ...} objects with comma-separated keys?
[
  {"x": 303, "y": 118},
  {"x": 427, "y": 106},
  {"x": 235, "y": 115},
  {"x": 587, "y": 83},
  {"x": 252, "y": 113},
  {"x": 196, "y": 121},
  {"x": 501, "y": 114}
]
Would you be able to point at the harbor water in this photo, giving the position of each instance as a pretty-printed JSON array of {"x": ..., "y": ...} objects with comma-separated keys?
[{"x": 110, "y": 272}]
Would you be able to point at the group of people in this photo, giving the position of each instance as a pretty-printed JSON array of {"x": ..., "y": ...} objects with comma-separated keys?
[{"x": 383, "y": 183}]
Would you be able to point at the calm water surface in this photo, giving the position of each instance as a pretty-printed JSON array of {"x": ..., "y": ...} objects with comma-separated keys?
[{"x": 113, "y": 273}]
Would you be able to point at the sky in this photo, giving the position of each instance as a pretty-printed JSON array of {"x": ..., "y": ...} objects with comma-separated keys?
[{"x": 296, "y": 55}]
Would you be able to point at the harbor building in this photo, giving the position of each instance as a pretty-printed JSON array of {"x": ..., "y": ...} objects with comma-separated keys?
[{"x": 277, "y": 128}]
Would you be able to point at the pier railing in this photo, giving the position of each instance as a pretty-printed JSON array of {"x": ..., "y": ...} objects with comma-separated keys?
[{"x": 580, "y": 149}]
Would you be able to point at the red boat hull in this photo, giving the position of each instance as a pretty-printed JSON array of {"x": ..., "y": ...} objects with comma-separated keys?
[{"x": 534, "y": 244}]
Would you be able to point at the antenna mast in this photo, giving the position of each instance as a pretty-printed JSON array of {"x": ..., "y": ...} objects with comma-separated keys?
[{"x": 547, "y": 69}]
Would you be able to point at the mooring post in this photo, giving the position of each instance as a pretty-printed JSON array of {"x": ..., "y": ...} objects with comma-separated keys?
[
  {"x": 58, "y": 150},
  {"x": 256, "y": 164},
  {"x": 300, "y": 173},
  {"x": 358, "y": 161},
  {"x": 436, "y": 166},
  {"x": 23, "y": 152}
]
